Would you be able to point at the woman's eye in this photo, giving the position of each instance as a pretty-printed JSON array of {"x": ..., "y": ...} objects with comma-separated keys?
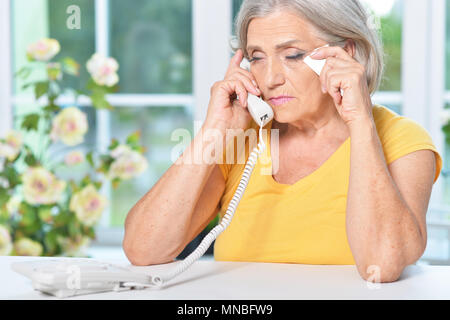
[
  {"x": 254, "y": 59},
  {"x": 296, "y": 57}
]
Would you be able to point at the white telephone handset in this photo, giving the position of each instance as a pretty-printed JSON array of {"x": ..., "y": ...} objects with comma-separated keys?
[
  {"x": 260, "y": 110},
  {"x": 55, "y": 277}
]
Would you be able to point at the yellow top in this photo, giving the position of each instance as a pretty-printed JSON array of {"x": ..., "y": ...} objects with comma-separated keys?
[{"x": 304, "y": 222}]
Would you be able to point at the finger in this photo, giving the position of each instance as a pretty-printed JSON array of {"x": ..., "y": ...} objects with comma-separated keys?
[
  {"x": 333, "y": 64},
  {"x": 343, "y": 75},
  {"x": 234, "y": 64},
  {"x": 248, "y": 74},
  {"x": 335, "y": 92},
  {"x": 237, "y": 58},
  {"x": 333, "y": 81},
  {"x": 238, "y": 87},
  {"x": 340, "y": 63},
  {"x": 244, "y": 72},
  {"x": 326, "y": 52},
  {"x": 247, "y": 83},
  {"x": 337, "y": 81}
]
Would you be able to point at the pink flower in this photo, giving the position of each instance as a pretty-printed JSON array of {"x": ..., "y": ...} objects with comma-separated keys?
[
  {"x": 69, "y": 126},
  {"x": 74, "y": 158},
  {"x": 43, "y": 50},
  {"x": 103, "y": 70}
]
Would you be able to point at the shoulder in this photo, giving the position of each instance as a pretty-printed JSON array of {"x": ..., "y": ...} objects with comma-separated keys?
[
  {"x": 392, "y": 127},
  {"x": 401, "y": 136},
  {"x": 386, "y": 120}
]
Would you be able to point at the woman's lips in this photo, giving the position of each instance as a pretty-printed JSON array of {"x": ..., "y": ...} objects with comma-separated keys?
[{"x": 280, "y": 101}]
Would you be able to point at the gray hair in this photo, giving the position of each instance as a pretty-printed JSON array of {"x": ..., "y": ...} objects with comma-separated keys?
[{"x": 335, "y": 21}]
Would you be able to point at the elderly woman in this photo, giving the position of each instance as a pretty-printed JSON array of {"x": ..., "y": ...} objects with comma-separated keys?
[{"x": 353, "y": 179}]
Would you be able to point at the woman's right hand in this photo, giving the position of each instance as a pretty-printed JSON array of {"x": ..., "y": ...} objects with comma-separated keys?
[{"x": 224, "y": 110}]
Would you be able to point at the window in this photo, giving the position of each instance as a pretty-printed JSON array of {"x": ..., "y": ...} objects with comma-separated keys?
[
  {"x": 32, "y": 21},
  {"x": 152, "y": 42},
  {"x": 447, "y": 47},
  {"x": 156, "y": 125},
  {"x": 438, "y": 248}
]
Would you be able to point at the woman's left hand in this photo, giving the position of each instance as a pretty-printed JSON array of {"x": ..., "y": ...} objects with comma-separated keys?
[{"x": 342, "y": 71}]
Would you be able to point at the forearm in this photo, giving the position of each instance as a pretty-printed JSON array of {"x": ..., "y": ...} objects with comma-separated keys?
[
  {"x": 159, "y": 221},
  {"x": 381, "y": 229}
]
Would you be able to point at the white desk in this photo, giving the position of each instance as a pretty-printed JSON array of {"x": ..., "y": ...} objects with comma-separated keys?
[{"x": 211, "y": 280}]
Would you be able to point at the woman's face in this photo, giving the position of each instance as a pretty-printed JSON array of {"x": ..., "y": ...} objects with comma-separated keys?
[{"x": 279, "y": 68}]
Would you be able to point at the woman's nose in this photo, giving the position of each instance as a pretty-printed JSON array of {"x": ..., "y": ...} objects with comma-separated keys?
[{"x": 274, "y": 74}]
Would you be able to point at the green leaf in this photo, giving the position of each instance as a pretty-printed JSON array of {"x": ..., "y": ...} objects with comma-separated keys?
[
  {"x": 12, "y": 175},
  {"x": 54, "y": 71},
  {"x": 115, "y": 182},
  {"x": 70, "y": 66},
  {"x": 41, "y": 88},
  {"x": 142, "y": 149},
  {"x": 45, "y": 214},
  {"x": 4, "y": 216},
  {"x": 74, "y": 228},
  {"x": 30, "y": 57},
  {"x": 134, "y": 138},
  {"x": 28, "y": 215},
  {"x": 113, "y": 89},
  {"x": 51, "y": 108},
  {"x": 30, "y": 122},
  {"x": 51, "y": 241},
  {"x": 73, "y": 186},
  {"x": 86, "y": 181},
  {"x": 32, "y": 229},
  {"x": 98, "y": 185},
  {"x": 114, "y": 144},
  {"x": 26, "y": 85},
  {"x": 99, "y": 101},
  {"x": 62, "y": 218},
  {"x": 95, "y": 87},
  {"x": 89, "y": 231},
  {"x": 4, "y": 196},
  {"x": 91, "y": 85},
  {"x": 133, "y": 141},
  {"x": 90, "y": 159},
  {"x": 23, "y": 72},
  {"x": 107, "y": 159},
  {"x": 31, "y": 160}
]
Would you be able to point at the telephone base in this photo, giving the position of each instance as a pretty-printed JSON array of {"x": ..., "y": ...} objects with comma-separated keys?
[{"x": 75, "y": 276}]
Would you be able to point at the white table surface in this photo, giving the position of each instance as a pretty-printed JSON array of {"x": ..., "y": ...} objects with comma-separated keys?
[{"x": 213, "y": 280}]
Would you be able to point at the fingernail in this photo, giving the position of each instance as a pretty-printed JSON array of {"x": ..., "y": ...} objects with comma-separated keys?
[
  {"x": 254, "y": 83},
  {"x": 324, "y": 89}
]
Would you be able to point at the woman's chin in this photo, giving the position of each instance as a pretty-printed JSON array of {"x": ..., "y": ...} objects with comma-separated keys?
[{"x": 282, "y": 117}]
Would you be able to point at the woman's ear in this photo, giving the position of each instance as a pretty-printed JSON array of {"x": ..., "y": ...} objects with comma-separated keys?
[{"x": 350, "y": 47}]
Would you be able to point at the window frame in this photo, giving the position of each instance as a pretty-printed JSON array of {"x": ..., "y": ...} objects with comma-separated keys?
[
  {"x": 6, "y": 120},
  {"x": 423, "y": 83}
]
